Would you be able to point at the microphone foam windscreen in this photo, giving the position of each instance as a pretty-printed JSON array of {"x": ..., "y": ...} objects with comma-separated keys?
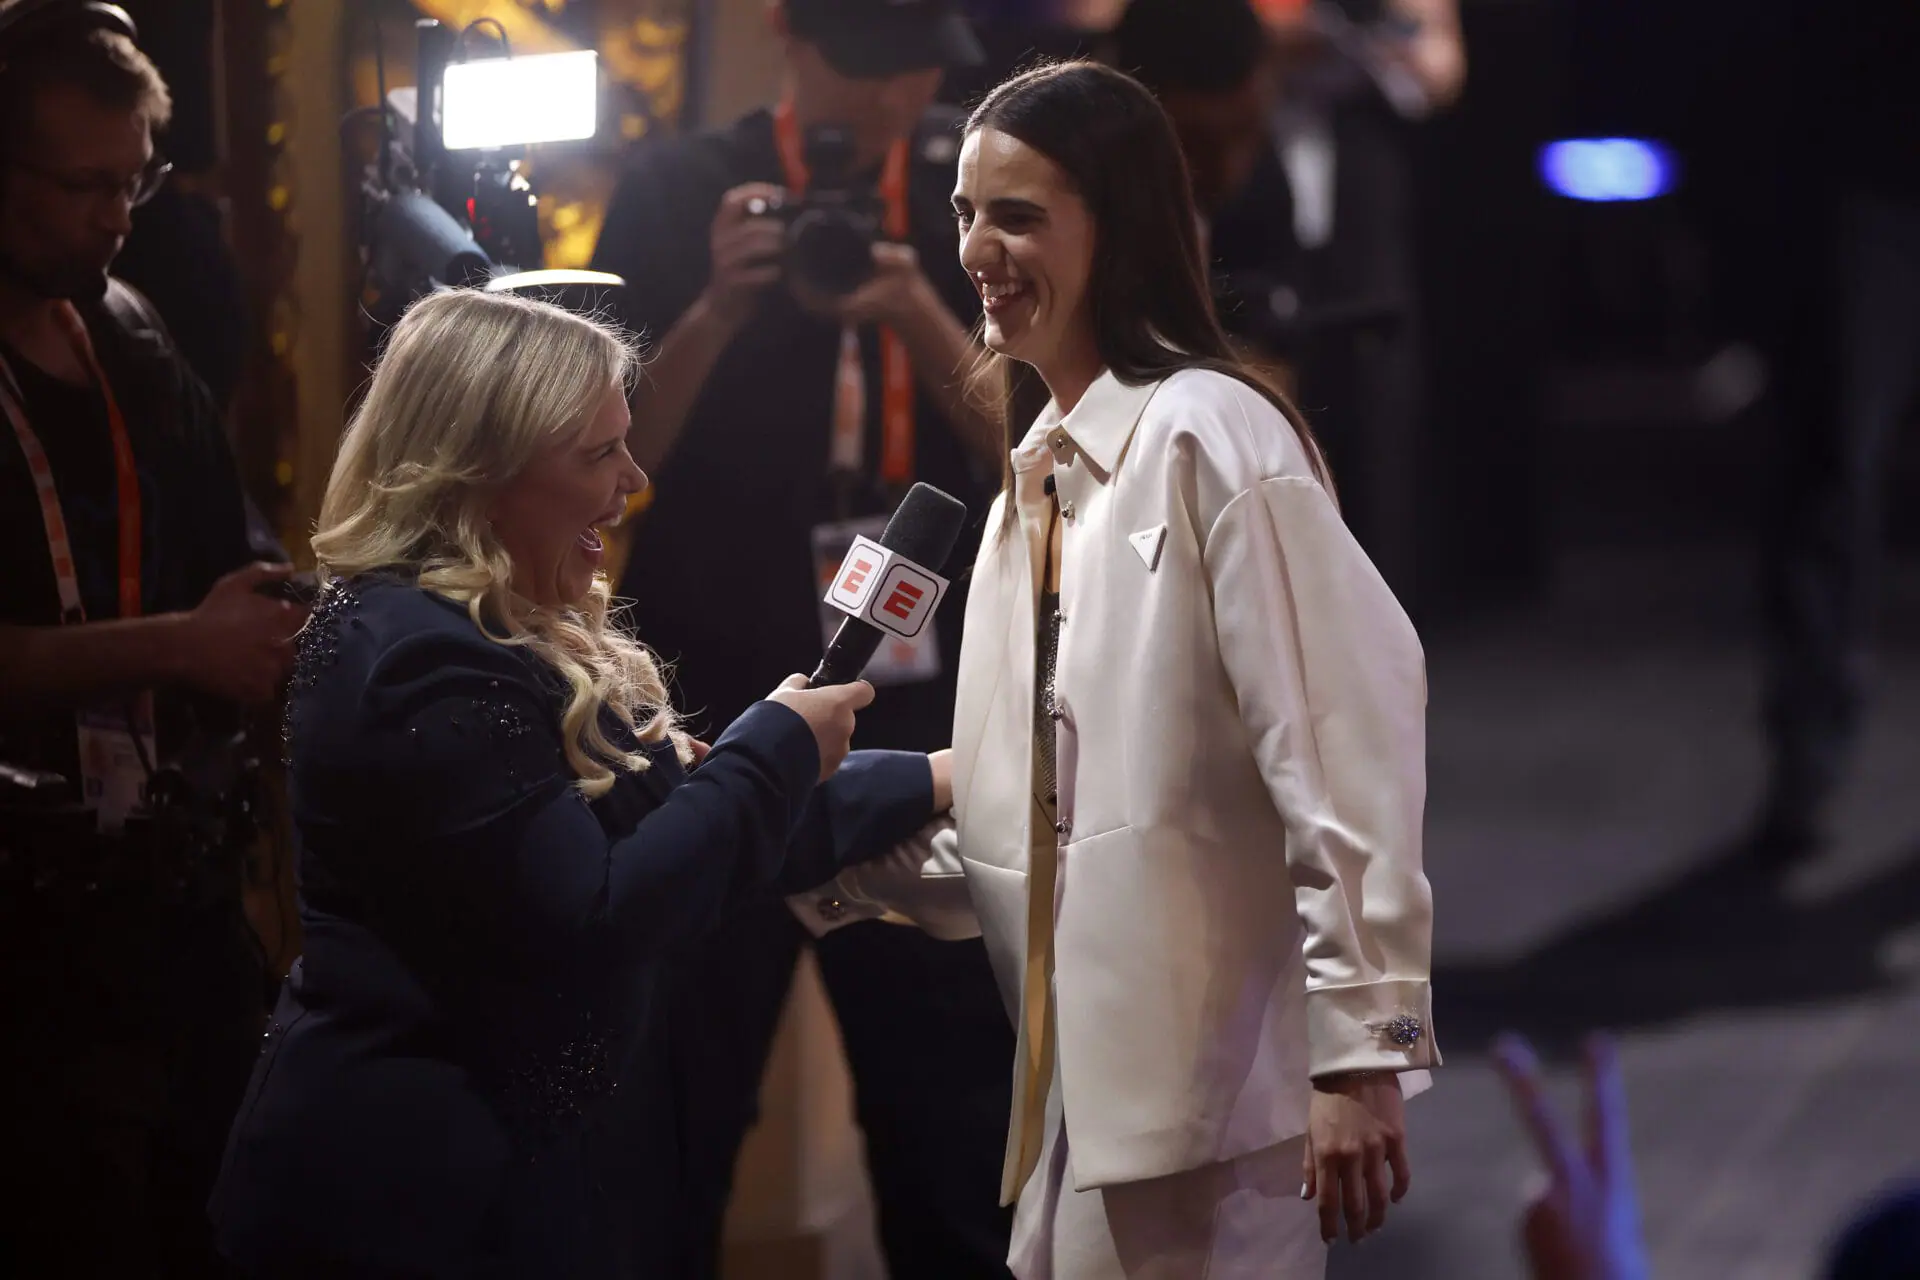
[{"x": 926, "y": 526}]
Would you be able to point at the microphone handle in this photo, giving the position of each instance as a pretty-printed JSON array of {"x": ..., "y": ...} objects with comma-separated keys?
[{"x": 847, "y": 656}]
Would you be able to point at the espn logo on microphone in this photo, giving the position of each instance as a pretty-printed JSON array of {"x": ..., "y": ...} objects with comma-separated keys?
[{"x": 885, "y": 589}]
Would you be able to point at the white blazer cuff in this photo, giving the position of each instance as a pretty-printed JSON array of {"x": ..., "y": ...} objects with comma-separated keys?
[
  {"x": 821, "y": 911},
  {"x": 920, "y": 882},
  {"x": 1371, "y": 1026}
]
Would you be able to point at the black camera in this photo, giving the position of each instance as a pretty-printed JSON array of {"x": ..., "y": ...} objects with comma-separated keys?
[
  {"x": 190, "y": 841},
  {"x": 832, "y": 229}
]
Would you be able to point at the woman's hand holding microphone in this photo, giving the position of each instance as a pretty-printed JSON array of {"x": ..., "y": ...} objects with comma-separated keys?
[{"x": 828, "y": 711}]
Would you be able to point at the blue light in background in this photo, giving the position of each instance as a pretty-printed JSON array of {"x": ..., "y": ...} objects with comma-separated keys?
[{"x": 1607, "y": 169}]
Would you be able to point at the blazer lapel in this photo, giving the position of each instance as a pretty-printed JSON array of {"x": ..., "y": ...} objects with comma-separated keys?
[{"x": 997, "y": 660}]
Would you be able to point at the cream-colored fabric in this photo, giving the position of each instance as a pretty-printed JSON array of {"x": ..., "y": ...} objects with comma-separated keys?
[
  {"x": 1241, "y": 904},
  {"x": 919, "y": 883},
  {"x": 1238, "y": 1220}
]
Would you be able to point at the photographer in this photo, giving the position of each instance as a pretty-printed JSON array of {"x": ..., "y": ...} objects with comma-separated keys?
[
  {"x": 1847, "y": 361},
  {"x": 796, "y": 276},
  {"x": 1358, "y": 78},
  {"x": 1208, "y": 63},
  {"x": 132, "y": 631}
]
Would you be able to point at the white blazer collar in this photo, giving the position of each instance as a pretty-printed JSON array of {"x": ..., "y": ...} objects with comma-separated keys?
[{"x": 1100, "y": 425}]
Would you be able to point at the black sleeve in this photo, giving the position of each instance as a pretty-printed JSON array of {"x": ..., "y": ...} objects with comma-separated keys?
[
  {"x": 875, "y": 801},
  {"x": 459, "y": 747},
  {"x": 657, "y": 233}
]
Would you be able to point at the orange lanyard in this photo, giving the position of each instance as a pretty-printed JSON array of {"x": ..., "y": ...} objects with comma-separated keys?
[
  {"x": 896, "y": 371},
  {"x": 125, "y": 473}
]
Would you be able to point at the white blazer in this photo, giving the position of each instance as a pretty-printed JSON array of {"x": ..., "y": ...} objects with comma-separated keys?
[
  {"x": 1241, "y": 756},
  {"x": 920, "y": 882}
]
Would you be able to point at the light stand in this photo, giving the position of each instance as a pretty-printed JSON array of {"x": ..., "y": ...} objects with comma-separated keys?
[{"x": 438, "y": 216}]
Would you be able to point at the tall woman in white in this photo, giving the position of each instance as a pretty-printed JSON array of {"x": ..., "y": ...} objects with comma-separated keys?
[{"x": 1189, "y": 744}]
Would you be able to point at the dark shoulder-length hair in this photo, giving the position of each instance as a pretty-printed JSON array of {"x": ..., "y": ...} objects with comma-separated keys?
[{"x": 1151, "y": 304}]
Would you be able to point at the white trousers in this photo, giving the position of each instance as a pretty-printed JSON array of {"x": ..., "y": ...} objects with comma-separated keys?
[{"x": 1238, "y": 1220}]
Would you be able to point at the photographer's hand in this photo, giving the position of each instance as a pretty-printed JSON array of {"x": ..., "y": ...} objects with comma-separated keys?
[
  {"x": 897, "y": 294},
  {"x": 238, "y": 644},
  {"x": 745, "y": 249},
  {"x": 239, "y": 640},
  {"x": 746, "y": 252}
]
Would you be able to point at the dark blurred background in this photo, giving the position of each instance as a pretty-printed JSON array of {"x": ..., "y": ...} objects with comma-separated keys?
[{"x": 1619, "y": 409}]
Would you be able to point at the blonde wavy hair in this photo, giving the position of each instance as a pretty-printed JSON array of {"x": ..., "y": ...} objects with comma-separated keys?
[{"x": 471, "y": 387}]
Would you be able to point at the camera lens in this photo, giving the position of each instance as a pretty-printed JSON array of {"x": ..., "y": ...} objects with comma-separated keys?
[{"x": 830, "y": 250}]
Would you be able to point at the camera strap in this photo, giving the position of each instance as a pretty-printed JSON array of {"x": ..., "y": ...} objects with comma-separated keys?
[
  {"x": 116, "y": 740},
  {"x": 848, "y": 449}
]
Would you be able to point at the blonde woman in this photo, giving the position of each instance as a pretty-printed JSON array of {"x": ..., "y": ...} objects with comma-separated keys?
[{"x": 498, "y": 837}]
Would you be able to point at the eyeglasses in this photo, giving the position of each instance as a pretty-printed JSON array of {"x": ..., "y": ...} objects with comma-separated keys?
[{"x": 136, "y": 190}]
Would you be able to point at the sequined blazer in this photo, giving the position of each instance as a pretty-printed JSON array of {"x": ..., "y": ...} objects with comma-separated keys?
[{"x": 480, "y": 943}]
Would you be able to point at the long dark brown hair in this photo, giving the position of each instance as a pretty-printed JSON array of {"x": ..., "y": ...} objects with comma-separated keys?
[{"x": 1148, "y": 292}]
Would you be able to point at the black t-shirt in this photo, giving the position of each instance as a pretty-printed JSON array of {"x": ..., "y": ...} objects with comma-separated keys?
[
  {"x": 721, "y": 568},
  {"x": 192, "y": 513}
]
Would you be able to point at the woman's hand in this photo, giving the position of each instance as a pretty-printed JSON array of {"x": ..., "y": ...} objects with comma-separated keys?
[
  {"x": 744, "y": 248},
  {"x": 942, "y": 763},
  {"x": 829, "y": 712},
  {"x": 1356, "y": 1132},
  {"x": 1586, "y": 1224}
]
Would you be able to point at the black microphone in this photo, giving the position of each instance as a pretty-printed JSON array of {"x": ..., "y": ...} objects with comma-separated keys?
[{"x": 923, "y": 530}]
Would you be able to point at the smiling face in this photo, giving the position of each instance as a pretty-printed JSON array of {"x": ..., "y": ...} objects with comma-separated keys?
[
  {"x": 548, "y": 516},
  {"x": 1027, "y": 241}
]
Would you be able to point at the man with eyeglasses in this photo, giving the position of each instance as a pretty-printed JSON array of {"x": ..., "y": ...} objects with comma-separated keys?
[{"x": 133, "y": 633}]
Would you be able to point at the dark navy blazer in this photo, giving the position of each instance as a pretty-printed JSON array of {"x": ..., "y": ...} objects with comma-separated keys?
[{"x": 480, "y": 944}]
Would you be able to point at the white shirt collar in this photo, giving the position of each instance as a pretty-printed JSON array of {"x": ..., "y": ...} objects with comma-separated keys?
[{"x": 1099, "y": 426}]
